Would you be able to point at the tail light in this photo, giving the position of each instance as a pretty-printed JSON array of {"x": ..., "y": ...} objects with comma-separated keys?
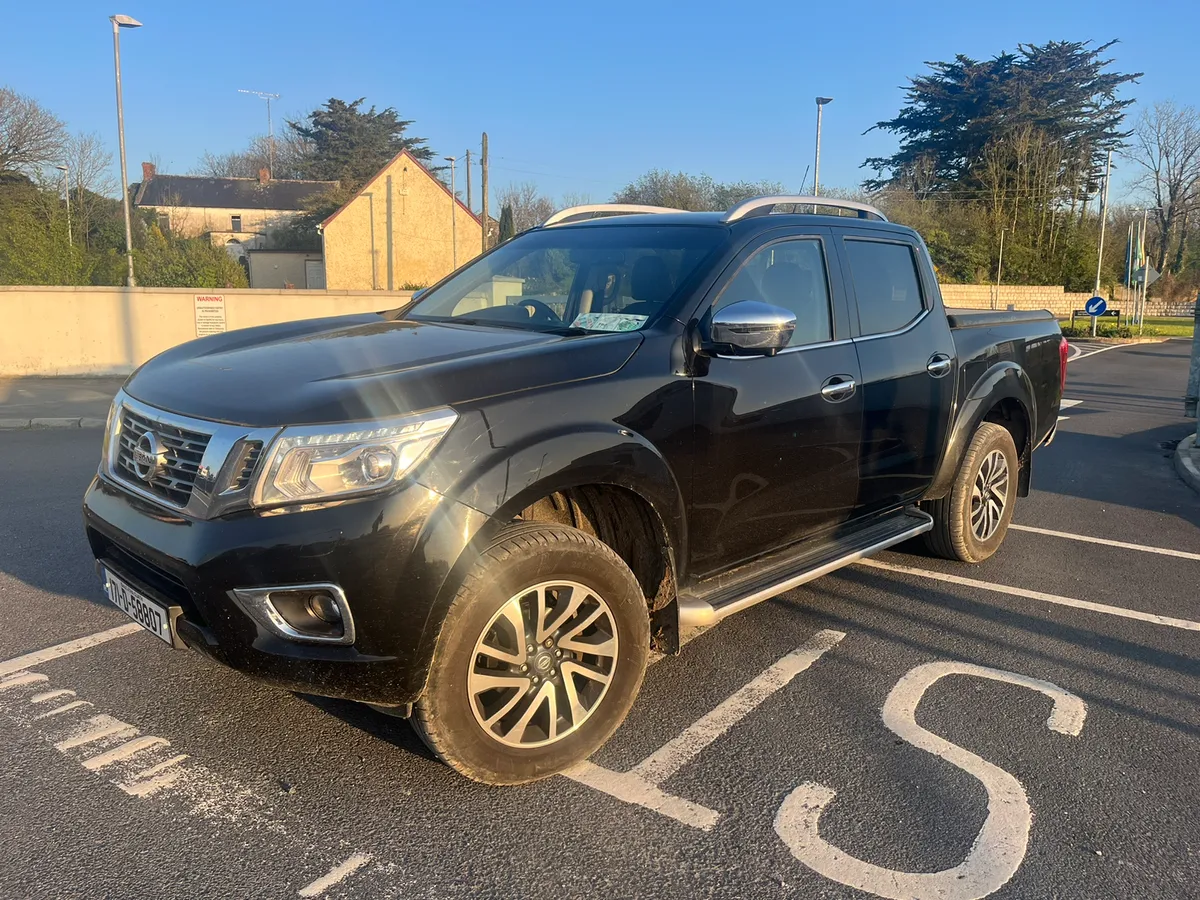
[{"x": 1064, "y": 350}]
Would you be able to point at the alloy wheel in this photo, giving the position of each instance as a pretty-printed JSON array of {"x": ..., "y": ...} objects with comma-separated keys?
[
  {"x": 543, "y": 664},
  {"x": 989, "y": 495}
]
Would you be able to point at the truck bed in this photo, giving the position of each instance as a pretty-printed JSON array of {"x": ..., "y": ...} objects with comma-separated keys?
[{"x": 975, "y": 318}]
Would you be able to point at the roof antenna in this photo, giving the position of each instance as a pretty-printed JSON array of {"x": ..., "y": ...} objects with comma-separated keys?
[{"x": 263, "y": 95}]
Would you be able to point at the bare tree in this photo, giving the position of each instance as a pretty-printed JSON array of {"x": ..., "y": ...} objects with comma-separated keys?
[
  {"x": 30, "y": 135},
  {"x": 575, "y": 198},
  {"x": 89, "y": 170},
  {"x": 1166, "y": 146},
  {"x": 529, "y": 206},
  {"x": 290, "y": 151}
]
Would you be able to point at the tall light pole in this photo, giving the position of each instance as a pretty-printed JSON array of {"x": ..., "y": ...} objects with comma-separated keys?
[
  {"x": 821, "y": 101},
  {"x": 119, "y": 22},
  {"x": 263, "y": 95},
  {"x": 453, "y": 211},
  {"x": 1103, "y": 219},
  {"x": 67, "y": 196}
]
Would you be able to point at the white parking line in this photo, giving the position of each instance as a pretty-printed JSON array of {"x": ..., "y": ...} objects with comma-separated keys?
[
  {"x": 123, "y": 752},
  {"x": 336, "y": 875},
  {"x": 1185, "y": 624},
  {"x": 1094, "y": 352},
  {"x": 640, "y": 785},
  {"x": 1124, "y": 545},
  {"x": 675, "y": 754},
  {"x": 1067, "y": 404},
  {"x": 29, "y": 660},
  {"x": 97, "y": 729}
]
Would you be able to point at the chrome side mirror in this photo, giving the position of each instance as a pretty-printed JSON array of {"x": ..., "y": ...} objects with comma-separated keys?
[{"x": 751, "y": 326}]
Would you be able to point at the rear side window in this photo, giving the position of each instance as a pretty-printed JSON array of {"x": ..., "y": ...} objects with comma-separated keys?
[{"x": 885, "y": 284}]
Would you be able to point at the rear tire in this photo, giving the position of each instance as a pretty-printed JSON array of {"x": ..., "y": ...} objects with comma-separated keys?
[
  {"x": 541, "y": 655},
  {"x": 969, "y": 523}
]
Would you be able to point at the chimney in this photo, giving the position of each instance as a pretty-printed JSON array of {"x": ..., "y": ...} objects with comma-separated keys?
[
  {"x": 264, "y": 175},
  {"x": 148, "y": 171}
]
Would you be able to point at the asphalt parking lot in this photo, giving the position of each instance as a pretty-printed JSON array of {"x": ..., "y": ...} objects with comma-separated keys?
[{"x": 1028, "y": 727}]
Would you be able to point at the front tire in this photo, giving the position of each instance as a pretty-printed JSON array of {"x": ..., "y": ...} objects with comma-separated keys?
[
  {"x": 969, "y": 523},
  {"x": 539, "y": 659}
]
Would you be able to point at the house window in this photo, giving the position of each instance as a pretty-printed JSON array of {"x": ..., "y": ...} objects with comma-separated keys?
[
  {"x": 235, "y": 223},
  {"x": 164, "y": 222}
]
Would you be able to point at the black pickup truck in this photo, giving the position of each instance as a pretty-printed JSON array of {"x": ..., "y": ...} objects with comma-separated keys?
[{"x": 484, "y": 509}]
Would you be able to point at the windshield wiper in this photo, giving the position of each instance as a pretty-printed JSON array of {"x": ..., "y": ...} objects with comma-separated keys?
[{"x": 568, "y": 330}]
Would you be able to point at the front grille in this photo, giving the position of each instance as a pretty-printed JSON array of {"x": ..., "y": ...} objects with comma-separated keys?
[{"x": 184, "y": 449}]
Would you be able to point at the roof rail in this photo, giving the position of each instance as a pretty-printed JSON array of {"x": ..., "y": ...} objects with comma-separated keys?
[
  {"x": 755, "y": 204},
  {"x": 594, "y": 210}
]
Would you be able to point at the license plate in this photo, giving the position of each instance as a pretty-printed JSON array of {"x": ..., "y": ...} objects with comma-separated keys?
[{"x": 154, "y": 617}]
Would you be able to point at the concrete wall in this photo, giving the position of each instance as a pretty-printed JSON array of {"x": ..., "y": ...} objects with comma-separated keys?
[
  {"x": 420, "y": 245},
  {"x": 111, "y": 331},
  {"x": 985, "y": 296},
  {"x": 1055, "y": 299}
]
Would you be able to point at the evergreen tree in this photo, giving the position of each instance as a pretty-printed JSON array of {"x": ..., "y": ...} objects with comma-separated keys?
[
  {"x": 1062, "y": 90},
  {"x": 507, "y": 228},
  {"x": 348, "y": 145}
]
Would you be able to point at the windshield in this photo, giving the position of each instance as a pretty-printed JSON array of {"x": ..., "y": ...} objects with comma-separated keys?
[{"x": 615, "y": 278}]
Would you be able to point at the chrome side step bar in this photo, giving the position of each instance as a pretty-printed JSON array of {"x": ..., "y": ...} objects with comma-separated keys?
[{"x": 696, "y": 613}]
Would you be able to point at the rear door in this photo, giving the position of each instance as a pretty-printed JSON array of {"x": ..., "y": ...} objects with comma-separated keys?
[
  {"x": 906, "y": 355},
  {"x": 776, "y": 450}
]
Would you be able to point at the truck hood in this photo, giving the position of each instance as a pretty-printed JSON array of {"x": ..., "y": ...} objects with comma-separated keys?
[{"x": 360, "y": 367}]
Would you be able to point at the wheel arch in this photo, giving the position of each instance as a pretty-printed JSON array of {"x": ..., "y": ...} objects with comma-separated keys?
[
  {"x": 572, "y": 465},
  {"x": 1004, "y": 395}
]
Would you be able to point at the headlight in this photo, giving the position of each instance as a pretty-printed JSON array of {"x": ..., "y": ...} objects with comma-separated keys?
[
  {"x": 105, "y": 447},
  {"x": 326, "y": 462}
]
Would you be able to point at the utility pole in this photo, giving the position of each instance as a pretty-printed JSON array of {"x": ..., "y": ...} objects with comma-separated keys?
[
  {"x": 263, "y": 95},
  {"x": 999, "y": 269},
  {"x": 67, "y": 195},
  {"x": 470, "y": 205},
  {"x": 1103, "y": 219},
  {"x": 483, "y": 164},
  {"x": 1129, "y": 270},
  {"x": 1145, "y": 272},
  {"x": 453, "y": 212}
]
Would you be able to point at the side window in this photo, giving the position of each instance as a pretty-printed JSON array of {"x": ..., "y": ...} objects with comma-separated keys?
[
  {"x": 885, "y": 284},
  {"x": 789, "y": 274}
]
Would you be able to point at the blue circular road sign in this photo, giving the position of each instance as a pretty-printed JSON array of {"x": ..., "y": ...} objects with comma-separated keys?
[{"x": 1096, "y": 306}]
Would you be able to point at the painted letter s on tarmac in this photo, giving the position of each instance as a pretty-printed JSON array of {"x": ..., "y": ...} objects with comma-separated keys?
[{"x": 1000, "y": 845}]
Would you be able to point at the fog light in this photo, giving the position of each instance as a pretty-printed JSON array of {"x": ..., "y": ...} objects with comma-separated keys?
[
  {"x": 323, "y": 607},
  {"x": 316, "y": 613}
]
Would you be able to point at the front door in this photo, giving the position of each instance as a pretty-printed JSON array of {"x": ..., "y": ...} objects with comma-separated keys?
[{"x": 776, "y": 441}]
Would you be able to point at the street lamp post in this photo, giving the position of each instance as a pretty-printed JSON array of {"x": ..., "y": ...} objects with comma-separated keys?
[
  {"x": 67, "y": 196},
  {"x": 821, "y": 101},
  {"x": 1103, "y": 222},
  {"x": 453, "y": 212},
  {"x": 119, "y": 22}
]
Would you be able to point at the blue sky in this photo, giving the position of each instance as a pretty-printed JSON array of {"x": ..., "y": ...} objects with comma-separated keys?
[{"x": 579, "y": 97}]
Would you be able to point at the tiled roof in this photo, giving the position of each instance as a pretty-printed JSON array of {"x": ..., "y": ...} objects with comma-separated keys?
[{"x": 226, "y": 193}]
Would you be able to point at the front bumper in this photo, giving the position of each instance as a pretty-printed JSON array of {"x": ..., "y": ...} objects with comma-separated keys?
[{"x": 391, "y": 555}]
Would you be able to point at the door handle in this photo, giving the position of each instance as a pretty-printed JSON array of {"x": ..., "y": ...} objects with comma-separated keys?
[
  {"x": 940, "y": 365},
  {"x": 838, "y": 388}
]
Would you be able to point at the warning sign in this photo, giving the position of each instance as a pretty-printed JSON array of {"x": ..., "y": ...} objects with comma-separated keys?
[{"x": 210, "y": 314}]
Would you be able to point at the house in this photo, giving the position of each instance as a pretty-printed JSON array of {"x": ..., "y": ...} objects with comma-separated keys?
[
  {"x": 404, "y": 229},
  {"x": 236, "y": 213}
]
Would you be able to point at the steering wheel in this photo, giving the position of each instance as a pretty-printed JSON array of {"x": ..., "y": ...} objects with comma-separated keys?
[{"x": 540, "y": 311}]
